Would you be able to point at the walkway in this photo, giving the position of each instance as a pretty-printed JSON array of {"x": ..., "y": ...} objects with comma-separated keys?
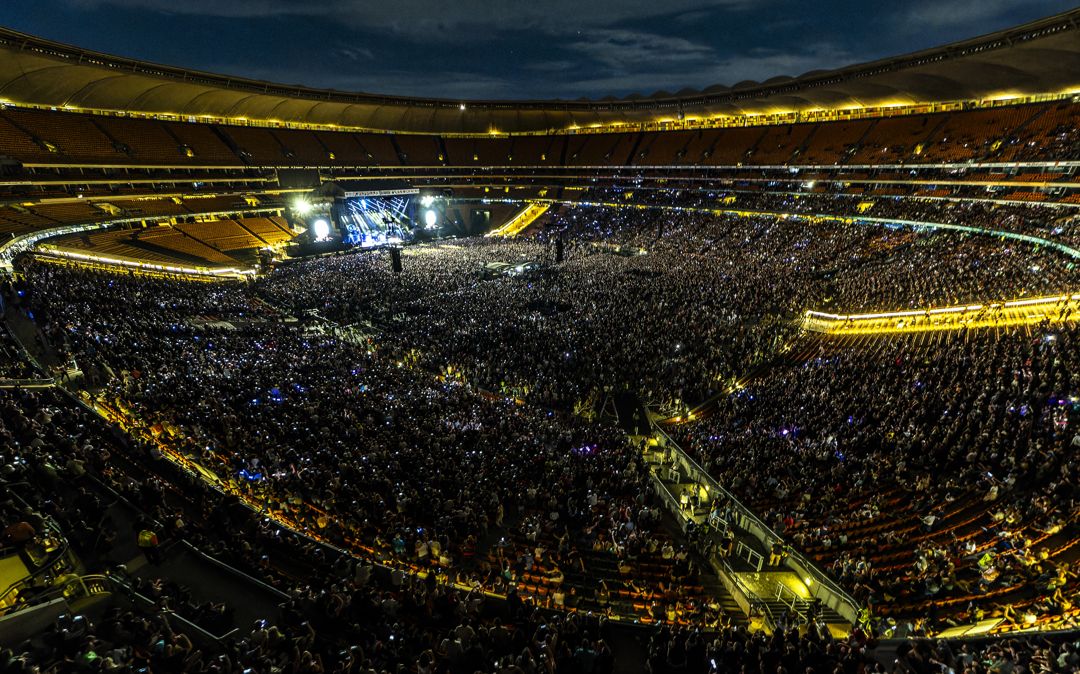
[
  {"x": 521, "y": 221},
  {"x": 1029, "y": 311}
]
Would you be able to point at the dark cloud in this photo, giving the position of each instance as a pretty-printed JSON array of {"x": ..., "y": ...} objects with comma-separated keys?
[
  {"x": 632, "y": 50},
  {"x": 935, "y": 14},
  {"x": 421, "y": 18},
  {"x": 356, "y": 53},
  {"x": 516, "y": 48}
]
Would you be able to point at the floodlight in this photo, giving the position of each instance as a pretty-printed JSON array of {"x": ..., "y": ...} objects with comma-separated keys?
[{"x": 321, "y": 228}]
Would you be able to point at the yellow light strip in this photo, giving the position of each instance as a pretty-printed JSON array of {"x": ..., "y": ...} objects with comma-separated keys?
[
  {"x": 521, "y": 221},
  {"x": 1027, "y": 311},
  {"x": 210, "y": 272},
  {"x": 706, "y": 120}
]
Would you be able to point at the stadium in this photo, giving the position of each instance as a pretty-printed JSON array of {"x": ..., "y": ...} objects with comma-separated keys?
[{"x": 770, "y": 377}]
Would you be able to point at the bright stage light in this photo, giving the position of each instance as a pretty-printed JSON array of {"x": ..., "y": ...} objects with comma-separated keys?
[
  {"x": 427, "y": 200},
  {"x": 430, "y": 218},
  {"x": 302, "y": 207},
  {"x": 463, "y": 107},
  {"x": 322, "y": 229}
]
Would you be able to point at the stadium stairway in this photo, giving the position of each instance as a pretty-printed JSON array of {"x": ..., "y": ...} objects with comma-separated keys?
[
  {"x": 25, "y": 331},
  {"x": 714, "y": 588},
  {"x": 676, "y": 487},
  {"x": 854, "y": 148},
  {"x": 783, "y": 592},
  {"x": 200, "y": 577},
  {"x": 778, "y": 589},
  {"x": 240, "y": 223}
]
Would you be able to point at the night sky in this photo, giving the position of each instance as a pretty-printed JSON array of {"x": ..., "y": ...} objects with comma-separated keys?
[{"x": 515, "y": 48}]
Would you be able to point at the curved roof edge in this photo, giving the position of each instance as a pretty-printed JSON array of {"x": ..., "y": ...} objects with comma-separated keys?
[{"x": 1038, "y": 57}]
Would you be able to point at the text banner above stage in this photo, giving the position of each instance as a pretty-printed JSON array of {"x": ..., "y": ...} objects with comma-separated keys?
[{"x": 384, "y": 193}]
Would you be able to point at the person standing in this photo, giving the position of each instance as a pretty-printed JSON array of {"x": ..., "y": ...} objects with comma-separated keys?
[{"x": 148, "y": 544}]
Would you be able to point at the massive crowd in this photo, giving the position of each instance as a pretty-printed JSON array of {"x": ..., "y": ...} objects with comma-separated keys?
[
  {"x": 1049, "y": 221},
  {"x": 551, "y": 338},
  {"x": 341, "y": 615},
  {"x": 950, "y": 487},
  {"x": 370, "y": 452},
  {"x": 711, "y": 298},
  {"x": 344, "y": 618},
  {"x": 422, "y": 421}
]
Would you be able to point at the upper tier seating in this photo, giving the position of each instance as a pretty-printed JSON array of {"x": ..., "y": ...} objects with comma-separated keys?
[
  {"x": 419, "y": 150},
  {"x": 732, "y": 146},
  {"x": 478, "y": 152},
  {"x": 972, "y": 134},
  {"x": 345, "y": 148},
  {"x": 304, "y": 148},
  {"x": 206, "y": 147},
  {"x": 894, "y": 139},
  {"x": 831, "y": 142},
  {"x": 779, "y": 143},
  {"x": 1055, "y": 132},
  {"x": 664, "y": 148},
  {"x": 256, "y": 146},
  {"x": 148, "y": 141},
  {"x": 76, "y": 138},
  {"x": 606, "y": 149},
  {"x": 1024, "y": 132},
  {"x": 18, "y": 143},
  {"x": 538, "y": 150},
  {"x": 379, "y": 149}
]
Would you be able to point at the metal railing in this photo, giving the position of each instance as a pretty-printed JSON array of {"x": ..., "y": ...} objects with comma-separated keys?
[
  {"x": 69, "y": 590},
  {"x": 767, "y": 534},
  {"x": 9, "y": 597},
  {"x": 189, "y": 626},
  {"x": 754, "y": 602},
  {"x": 752, "y": 556},
  {"x": 235, "y": 571},
  {"x": 26, "y": 383},
  {"x": 786, "y": 596},
  {"x": 728, "y": 577},
  {"x": 717, "y": 522}
]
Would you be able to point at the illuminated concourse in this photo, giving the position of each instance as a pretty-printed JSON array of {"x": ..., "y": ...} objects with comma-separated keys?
[{"x": 1032, "y": 311}]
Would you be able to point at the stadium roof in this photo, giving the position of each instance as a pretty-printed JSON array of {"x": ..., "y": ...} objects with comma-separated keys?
[{"x": 1036, "y": 58}]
